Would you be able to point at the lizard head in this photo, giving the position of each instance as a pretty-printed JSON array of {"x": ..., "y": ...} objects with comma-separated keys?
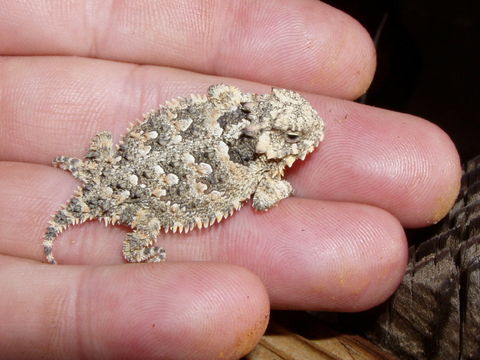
[{"x": 285, "y": 125}]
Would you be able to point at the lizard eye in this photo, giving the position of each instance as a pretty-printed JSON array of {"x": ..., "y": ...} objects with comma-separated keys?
[{"x": 292, "y": 137}]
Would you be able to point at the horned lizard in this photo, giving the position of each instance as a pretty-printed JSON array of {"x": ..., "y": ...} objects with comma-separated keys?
[{"x": 189, "y": 164}]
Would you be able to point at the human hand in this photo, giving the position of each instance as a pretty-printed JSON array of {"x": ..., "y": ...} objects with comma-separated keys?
[{"x": 338, "y": 244}]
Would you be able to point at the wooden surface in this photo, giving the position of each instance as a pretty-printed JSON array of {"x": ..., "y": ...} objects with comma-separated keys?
[
  {"x": 300, "y": 336},
  {"x": 435, "y": 314}
]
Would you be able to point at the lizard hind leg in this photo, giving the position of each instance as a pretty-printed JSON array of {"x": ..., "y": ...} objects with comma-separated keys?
[
  {"x": 74, "y": 212},
  {"x": 101, "y": 147},
  {"x": 71, "y": 164},
  {"x": 99, "y": 151},
  {"x": 137, "y": 246}
]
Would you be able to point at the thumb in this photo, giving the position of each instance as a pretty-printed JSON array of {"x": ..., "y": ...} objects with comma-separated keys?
[{"x": 144, "y": 311}]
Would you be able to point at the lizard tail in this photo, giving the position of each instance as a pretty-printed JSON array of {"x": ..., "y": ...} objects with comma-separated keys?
[
  {"x": 52, "y": 232},
  {"x": 72, "y": 213}
]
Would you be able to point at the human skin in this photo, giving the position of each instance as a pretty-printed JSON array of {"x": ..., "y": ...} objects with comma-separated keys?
[{"x": 71, "y": 69}]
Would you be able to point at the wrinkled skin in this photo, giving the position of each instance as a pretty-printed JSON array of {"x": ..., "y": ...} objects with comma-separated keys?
[{"x": 71, "y": 69}]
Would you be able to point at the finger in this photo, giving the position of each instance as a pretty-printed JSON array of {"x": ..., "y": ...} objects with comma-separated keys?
[
  {"x": 398, "y": 162},
  {"x": 310, "y": 254},
  {"x": 302, "y": 44},
  {"x": 10, "y": 260},
  {"x": 395, "y": 161},
  {"x": 168, "y": 311}
]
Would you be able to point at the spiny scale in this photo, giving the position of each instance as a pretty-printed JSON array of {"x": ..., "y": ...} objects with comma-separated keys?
[{"x": 189, "y": 164}]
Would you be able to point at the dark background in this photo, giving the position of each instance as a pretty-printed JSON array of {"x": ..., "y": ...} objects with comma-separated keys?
[
  {"x": 428, "y": 55},
  {"x": 428, "y": 62}
]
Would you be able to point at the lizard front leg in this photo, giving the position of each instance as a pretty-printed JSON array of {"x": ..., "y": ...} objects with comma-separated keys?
[{"x": 269, "y": 192}]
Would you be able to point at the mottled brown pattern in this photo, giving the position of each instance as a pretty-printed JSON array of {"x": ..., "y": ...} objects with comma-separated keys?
[{"x": 189, "y": 164}]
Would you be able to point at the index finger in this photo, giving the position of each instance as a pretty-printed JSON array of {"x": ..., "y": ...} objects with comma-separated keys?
[
  {"x": 299, "y": 44},
  {"x": 54, "y": 106}
]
